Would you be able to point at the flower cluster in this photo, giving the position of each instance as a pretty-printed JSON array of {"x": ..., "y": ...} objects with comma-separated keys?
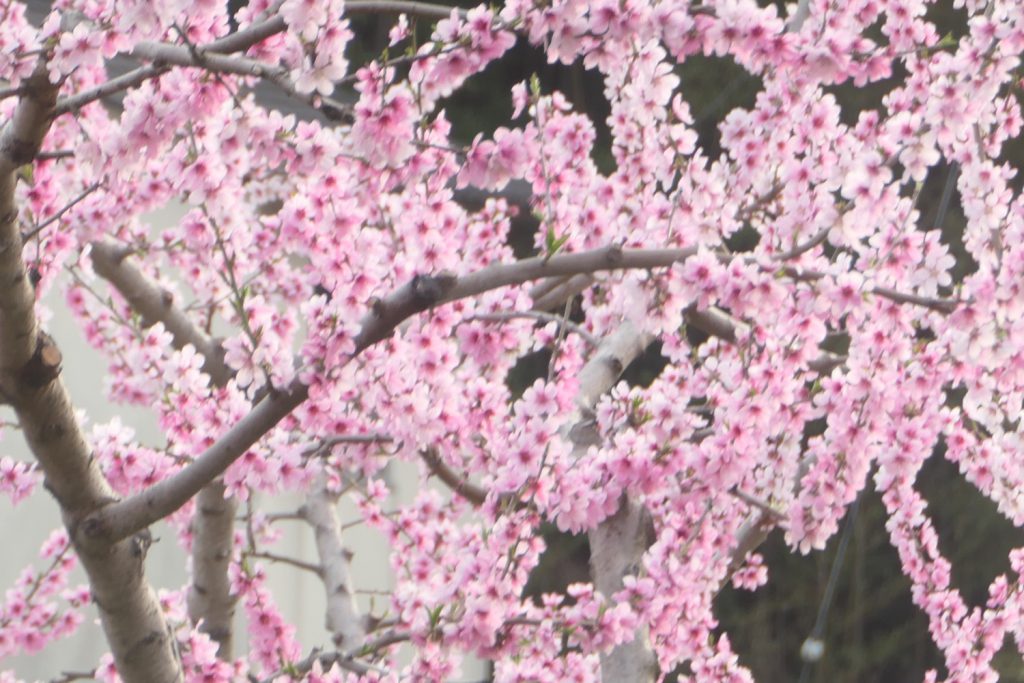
[{"x": 818, "y": 331}]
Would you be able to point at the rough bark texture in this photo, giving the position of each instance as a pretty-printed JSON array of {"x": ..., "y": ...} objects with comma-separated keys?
[{"x": 30, "y": 381}]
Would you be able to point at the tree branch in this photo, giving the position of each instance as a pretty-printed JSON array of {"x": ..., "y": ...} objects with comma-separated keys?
[
  {"x": 238, "y": 41},
  {"x": 210, "y": 602},
  {"x": 291, "y": 561},
  {"x": 463, "y": 487},
  {"x": 344, "y": 622},
  {"x": 73, "y": 103},
  {"x": 20, "y": 141},
  {"x": 129, "y": 611},
  {"x": 424, "y": 10},
  {"x": 156, "y": 305},
  {"x": 124, "y": 518},
  {"x": 542, "y": 316},
  {"x": 618, "y": 543},
  {"x": 179, "y": 55}
]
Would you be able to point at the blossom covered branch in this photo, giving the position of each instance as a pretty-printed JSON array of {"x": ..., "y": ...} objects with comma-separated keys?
[{"x": 817, "y": 336}]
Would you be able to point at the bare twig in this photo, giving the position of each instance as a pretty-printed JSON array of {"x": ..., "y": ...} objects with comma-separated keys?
[
  {"x": 57, "y": 216},
  {"x": 460, "y": 485},
  {"x": 55, "y": 154},
  {"x": 541, "y": 316},
  {"x": 291, "y": 561}
]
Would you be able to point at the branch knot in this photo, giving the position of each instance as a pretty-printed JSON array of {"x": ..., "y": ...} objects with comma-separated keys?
[{"x": 44, "y": 366}]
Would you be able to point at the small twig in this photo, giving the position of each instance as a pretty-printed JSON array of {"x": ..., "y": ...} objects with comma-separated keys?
[
  {"x": 538, "y": 315},
  {"x": 68, "y": 676},
  {"x": 271, "y": 557},
  {"x": 801, "y": 249},
  {"x": 55, "y": 154},
  {"x": 281, "y": 517},
  {"x": 357, "y": 438},
  {"x": 57, "y": 216},
  {"x": 11, "y": 92},
  {"x": 757, "y": 503},
  {"x": 471, "y": 492}
]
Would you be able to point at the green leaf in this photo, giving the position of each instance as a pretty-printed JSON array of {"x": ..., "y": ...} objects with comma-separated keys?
[
  {"x": 553, "y": 242},
  {"x": 434, "y": 615},
  {"x": 535, "y": 84}
]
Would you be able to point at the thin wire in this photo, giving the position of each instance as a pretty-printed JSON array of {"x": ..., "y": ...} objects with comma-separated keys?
[{"x": 818, "y": 631}]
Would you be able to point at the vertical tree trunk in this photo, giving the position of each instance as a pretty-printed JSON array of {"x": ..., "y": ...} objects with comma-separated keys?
[
  {"x": 616, "y": 548},
  {"x": 617, "y": 545}
]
